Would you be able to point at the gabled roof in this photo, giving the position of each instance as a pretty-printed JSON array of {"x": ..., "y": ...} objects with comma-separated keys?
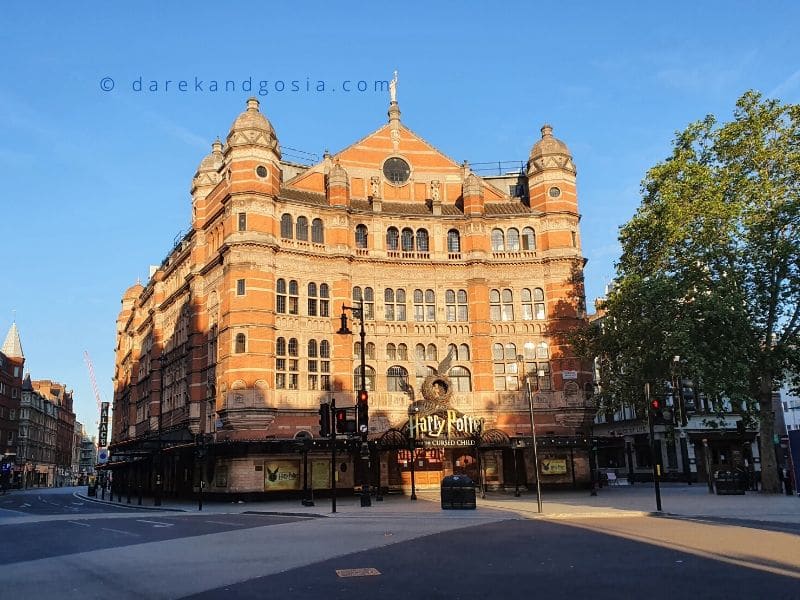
[{"x": 12, "y": 347}]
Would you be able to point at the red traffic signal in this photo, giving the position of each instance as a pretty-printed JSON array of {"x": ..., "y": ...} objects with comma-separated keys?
[
  {"x": 655, "y": 404},
  {"x": 363, "y": 397}
]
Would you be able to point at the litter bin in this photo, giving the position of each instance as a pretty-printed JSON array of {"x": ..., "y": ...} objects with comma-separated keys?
[
  {"x": 92, "y": 490},
  {"x": 727, "y": 481},
  {"x": 458, "y": 491}
]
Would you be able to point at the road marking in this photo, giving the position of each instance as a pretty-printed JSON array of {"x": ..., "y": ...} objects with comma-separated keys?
[
  {"x": 369, "y": 571},
  {"x": 81, "y": 524},
  {"x": 120, "y": 531},
  {"x": 225, "y": 523},
  {"x": 25, "y": 505},
  {"x": 156, "y": 523},
  {"x": 77, "y": 503}
]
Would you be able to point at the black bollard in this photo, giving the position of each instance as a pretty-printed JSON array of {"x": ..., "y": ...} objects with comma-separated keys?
[{"x": 139, "y": 502}]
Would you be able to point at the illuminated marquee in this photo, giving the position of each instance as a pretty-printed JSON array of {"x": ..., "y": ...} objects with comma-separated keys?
[{"x": 448, "y": 429}]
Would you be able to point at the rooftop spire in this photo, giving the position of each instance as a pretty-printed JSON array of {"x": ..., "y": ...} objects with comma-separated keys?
[
  {"x": 394, "y": 108},
  {"x": 12, "y": 347}
]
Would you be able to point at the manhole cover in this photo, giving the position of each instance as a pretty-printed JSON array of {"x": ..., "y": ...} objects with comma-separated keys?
[{"x": 357, "y": 572}]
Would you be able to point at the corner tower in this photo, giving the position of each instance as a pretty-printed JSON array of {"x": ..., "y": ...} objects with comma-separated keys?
[{"x": 252, "y": 155}]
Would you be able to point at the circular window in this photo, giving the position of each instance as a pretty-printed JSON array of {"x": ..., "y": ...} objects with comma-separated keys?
[
  {"x": 555, "y": 192},
  {"x": 261, "y": 171},
  {"x": 396, "y": 170}
]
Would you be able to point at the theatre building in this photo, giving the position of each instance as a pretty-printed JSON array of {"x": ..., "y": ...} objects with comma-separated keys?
[{"x": 466, "y": 279}]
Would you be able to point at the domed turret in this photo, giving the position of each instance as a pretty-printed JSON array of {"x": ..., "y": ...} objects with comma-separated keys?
[
  {"x": 550, "y": 153},
  {"x": 251, "y": 128},
  {"x": 338, "y": 185},
  {"x": 133, "y": 292}
]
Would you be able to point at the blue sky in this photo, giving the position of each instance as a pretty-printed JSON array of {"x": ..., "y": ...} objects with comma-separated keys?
[{"x": 96, "y": 184}]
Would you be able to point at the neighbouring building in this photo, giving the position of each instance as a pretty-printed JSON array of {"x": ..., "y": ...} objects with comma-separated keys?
[
  {"x": 88, "y": 457},
  {"x": 463, "y": 274},
  {"x": 38, "y": 426},
  {"x": 713, "y": 437},
  {"x": 12, "y": 361},
  {"x": 62, "y": 400},
  {"x": 77, "y": 439},
  {"x": 790, "y": 407}
]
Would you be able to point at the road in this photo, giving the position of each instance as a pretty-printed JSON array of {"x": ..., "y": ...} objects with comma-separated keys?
[{"x": 91, "y": 550}]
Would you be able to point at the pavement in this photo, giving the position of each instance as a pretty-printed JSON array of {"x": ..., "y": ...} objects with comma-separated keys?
[{"x": 624, "y": 501}]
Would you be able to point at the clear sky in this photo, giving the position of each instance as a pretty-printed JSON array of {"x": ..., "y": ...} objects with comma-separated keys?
[{"x": 95, "y": 184}]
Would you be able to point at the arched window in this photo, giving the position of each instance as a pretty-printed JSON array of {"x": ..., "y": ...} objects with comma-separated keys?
[
  {"x": 402, "y": 352},
  {"x": 357, "y": 349},
  {"x": 507, "y": 297},
  {"x": 324, "y": 300},
  {"x": 394, "y": 304},
  {"x": 453, "y": 241},
  {"x": 528, "y": 239},
  {"x": 396, "y": 379},
  {"x": 362, "y": 236},
  {"x": 424, "y": 305},
  {"x": 294, "y": 298},
  {"x": 286, "y": 226},
  {"x": 422, "y": 240},
  {"x": 317, "y": 232},
  {"x": 419, "y": 351},
  {"x": 431, "y": 352},
  {"x": 312, "y": 348},
  {"x": 498, "y": 240},
  {"x": 370, "y": 353},
  {"x": 369, "y": 304},
  {"x": 463, "y": 352},
  {"x": 280, "y": 363},
  {"x": 512, "y": 240},
  {"x": 538, "y": 304},
  {"x": 494, "y": 305},
  {"x": 456, "y": 305},
  {"x": 407, "y": 240},
  {"x": 392, "y": 239},
  {"x": 542, "y": 350},
  {"x": 369, "y": 375},
  {"x": 391, "y": 352},
  {"x": 241, "y": 342},
  {"x": 527, "y": 305},
  {"x": 312, "y": 300},
  {"x": 423, "y": 373},
  {"x": 461, "y": 379},
  {"x": 302, "y": 229},
  {"x": 280, "y": 296},
  {"x": 452, "y": 349}
]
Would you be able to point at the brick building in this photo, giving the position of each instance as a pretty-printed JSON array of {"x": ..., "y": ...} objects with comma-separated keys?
[
  {"x": 234, "y": 337},
  {"x": 61, "y": 399},
  {"x": 38, "y": 426},
  {"x": 12, "y": 361}
]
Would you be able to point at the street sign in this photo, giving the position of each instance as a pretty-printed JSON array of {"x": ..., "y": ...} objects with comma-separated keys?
[
  {"x": 569, "y": 374},
  {"x": 102, "y": 456},
  {"x": 103, "y": 433}
]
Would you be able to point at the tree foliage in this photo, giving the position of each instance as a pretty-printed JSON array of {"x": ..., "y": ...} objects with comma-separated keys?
[{"x": 710, "y": 268}]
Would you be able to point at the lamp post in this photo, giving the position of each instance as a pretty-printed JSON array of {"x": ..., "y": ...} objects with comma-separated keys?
[
  {"x": 682, "y": 419},
  {"x": 520, "y": 359},
  {"x": 358, "y": 312},
  {"x": 412, "y": 446}
]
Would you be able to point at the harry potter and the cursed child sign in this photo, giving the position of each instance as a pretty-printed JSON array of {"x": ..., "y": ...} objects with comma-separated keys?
[{"x": 432, "y": 421}]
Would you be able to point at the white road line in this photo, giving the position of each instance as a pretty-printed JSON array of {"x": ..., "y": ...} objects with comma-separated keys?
[
  {"x": 155, "y": 523},
  {"x": 120, "y": 531},
  {"x": 26, "y": 505},
  {"x": 81, "y": 524},
  {"x": 225, "y": 523}
]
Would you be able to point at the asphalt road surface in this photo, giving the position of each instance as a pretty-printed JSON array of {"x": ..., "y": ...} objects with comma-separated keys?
[
  {"x": 55, "y": 501},
  {"x": 56, "y": 545},
  {"x": 524, "y": 559}
]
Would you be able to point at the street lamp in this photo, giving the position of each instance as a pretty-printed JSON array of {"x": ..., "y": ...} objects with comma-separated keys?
[
  {"x": 521, "y": 360},
  {"x": 412, "y": 446},
  {"x": 358, "y": 312}
]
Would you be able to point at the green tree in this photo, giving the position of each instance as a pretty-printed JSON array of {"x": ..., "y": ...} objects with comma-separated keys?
[{"x": 710, "y": 268}]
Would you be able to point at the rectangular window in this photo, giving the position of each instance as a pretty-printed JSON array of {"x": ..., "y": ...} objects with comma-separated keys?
[
  {"x": 240, "y": 287},
  {"x": 242, "y": 221},
  {"x": 312, "y": 307},
  {"x": 294, "y": 303},
  {"x": 451, "y": 313},
  {"x": 324, "y": 308}
]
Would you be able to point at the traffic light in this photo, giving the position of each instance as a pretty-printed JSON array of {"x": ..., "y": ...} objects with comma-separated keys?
[
  {"x": 363, "y": 411},
  {"x": 344, "y": 424},
  {"x": 659, "y": 413},
  {"x": 324, "y": 420}
]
